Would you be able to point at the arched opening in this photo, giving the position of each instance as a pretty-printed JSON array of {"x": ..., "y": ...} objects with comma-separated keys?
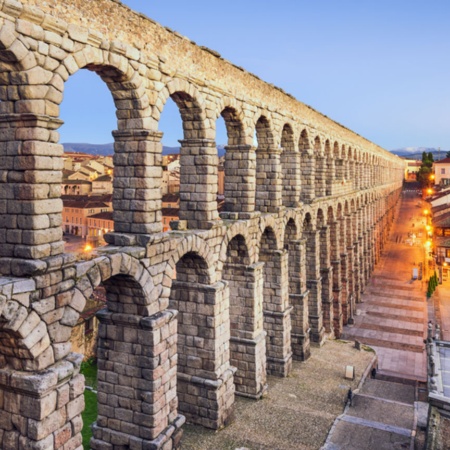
[
  {"x": 268, "y": 179},
  {"x": 277, "y": 323},
  {"x": 290, "y": 168},
  {"x": 247, "y": 346},
  {"x": 137, "y": 362},
  {"x": 330, "y": 172},
  {"x": 88, "y": 156},
  {"x": 297, "y": 287},
  {"x": 204, "y": 377},
  {"x": 320, "y": 183},
  {"x": 171, "y": 125},
  {"x": 198, "y": 162},
  {"x": 307, "y": 168},
  {"x": 235, "y": 169}
]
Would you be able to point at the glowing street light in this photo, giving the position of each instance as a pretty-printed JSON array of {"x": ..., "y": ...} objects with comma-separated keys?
[{"x": 87, "y": 248}]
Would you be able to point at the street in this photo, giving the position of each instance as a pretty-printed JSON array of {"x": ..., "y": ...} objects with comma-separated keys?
[{"x": 393, "y": 315}]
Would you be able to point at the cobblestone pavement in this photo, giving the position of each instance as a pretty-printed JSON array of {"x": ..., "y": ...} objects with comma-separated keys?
[
  {"x": 297, "y": 412},
  {"x": 381, "y": 418},
  {"x": 393, "y": 316}
]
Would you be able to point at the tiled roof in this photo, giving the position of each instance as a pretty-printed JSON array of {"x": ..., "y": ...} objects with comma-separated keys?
[
  {"x": 443, "y": 161},
  {"x": 442, "y": 220},
  {"x": 170, "y": 198},
  {"x": 83, "y": 203},
  {"x": 103, "y": 178},
  {"x": 108, "y": 215}
]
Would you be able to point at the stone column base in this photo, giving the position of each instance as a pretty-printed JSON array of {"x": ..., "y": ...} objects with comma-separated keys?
[
  {"x": 168, "y": 439},
  {"x": 207, "y": 402},
  {"x": 318, "y": 338},
  {"x": 279, "y": 367},
  {"x": 301, "y": 347},
  {"x": 278, "y": 342},
  {"x": 42, "y": 410},
  {"x": 249, "y": 357}
]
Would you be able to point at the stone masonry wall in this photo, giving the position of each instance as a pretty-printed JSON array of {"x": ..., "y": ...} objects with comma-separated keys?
[{"x": 200, "y": 313}]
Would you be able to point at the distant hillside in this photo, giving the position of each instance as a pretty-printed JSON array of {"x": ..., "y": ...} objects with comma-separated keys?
[
  {"x": 416, "y": 152},
  {"x": 108, "y": 149}
]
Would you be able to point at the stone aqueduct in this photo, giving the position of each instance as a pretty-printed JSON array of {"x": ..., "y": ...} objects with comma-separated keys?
[{"x": 200, "y": 313}]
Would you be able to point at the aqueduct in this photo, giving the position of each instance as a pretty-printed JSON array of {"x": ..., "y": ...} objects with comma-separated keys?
[{"x": 198, "y": 314}]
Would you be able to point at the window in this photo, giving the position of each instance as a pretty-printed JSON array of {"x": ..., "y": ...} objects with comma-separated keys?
[{"x": 443, "y": 171}]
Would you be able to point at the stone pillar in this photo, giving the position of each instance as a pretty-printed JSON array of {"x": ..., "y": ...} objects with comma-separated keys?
[
  {"x": 351, "y": 273},
  {"x": 291, "y": 178},
  {"x": 340, "y": 169},
  {"x": 277, "y": 313},
  {"x": 314, "y": 285},
  {"x": 320, "y": 176},
  {"x": 137, "y": 394},
  {"x": 326, "y": 272},
  {"x": 268, "y": 180},
  {"x": 344, "y": 270},
  {"x": 308, "y": 176},
  {"x": 137, "y": 182},
  {"x": 240, "y": 181},
  {"x": 205, "y": 377},
  {"x": 198, "y": 183},
  {"x": 337, "y": 276},
  {"x": 42, "y": 410},
  {"x": 30, "y": 189},
  {"x": 247, "y": 342},
  {"x": 352, "y": 172},
  {"x": 298, "y": 299},
  {"x": 330, "y": 174}
]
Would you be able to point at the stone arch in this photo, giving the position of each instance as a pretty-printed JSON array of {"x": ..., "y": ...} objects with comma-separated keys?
[
  {"x": 264, "y": 131},
  {"x": 295, "y": 218},
  {"x": 304, "y": 143},
  {"x": 126, "y": 85},
  {"x": 191, "y": 104},
  {"x": 287, "y": 138},
  {"x": 118, "y": 269},
  {"x": 246, "y": 318},
  {"x": 320, "y": 167},
  {"x": 190, "y": 244},
  {"x": 234, "y": 118},
  {"x": 308, "y": 222},
  {"x": 290, "y": 168},
  {"x": 25, "y": 338},
  {"x": 237, "y": 228},
  {"x": 268, "y": 221},
  {"x": 16, "y": 60},
  {"x": 203, "y": 323},
  {"x": 277, "y": 322}
]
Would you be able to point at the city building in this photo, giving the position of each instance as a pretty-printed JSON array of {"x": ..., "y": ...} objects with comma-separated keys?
[
  {"x": 76, "y": 212},
  {"x": 442, "y": 172}
]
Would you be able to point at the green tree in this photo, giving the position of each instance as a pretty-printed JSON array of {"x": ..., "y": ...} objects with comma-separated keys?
[{"x": 447, "y": 155}]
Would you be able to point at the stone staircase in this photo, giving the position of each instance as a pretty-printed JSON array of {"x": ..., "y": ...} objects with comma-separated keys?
[{"x": 382, "y": 417}]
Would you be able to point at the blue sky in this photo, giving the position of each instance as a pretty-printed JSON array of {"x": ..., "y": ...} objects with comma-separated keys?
[{"x": 381, "y": 68}]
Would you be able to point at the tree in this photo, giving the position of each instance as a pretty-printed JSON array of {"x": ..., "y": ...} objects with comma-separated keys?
[{"x": 447, "y": 155}]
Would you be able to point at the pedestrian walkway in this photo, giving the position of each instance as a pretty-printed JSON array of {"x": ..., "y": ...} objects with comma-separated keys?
[
  {"x": 381, "y": 417},
  {"x": 393, "y": 316}
]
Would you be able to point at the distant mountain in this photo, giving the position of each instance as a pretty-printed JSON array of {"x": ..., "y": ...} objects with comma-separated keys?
[
  {"x": 108, "y": 149},
  {"x": 416, "y": 152}
]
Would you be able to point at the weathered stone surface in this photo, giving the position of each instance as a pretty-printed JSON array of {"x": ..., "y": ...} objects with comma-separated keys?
[{"x": 198, "y": 313}]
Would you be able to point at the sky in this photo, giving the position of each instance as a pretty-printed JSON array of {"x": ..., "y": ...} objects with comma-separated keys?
[{"x": 381, "y": 68}]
